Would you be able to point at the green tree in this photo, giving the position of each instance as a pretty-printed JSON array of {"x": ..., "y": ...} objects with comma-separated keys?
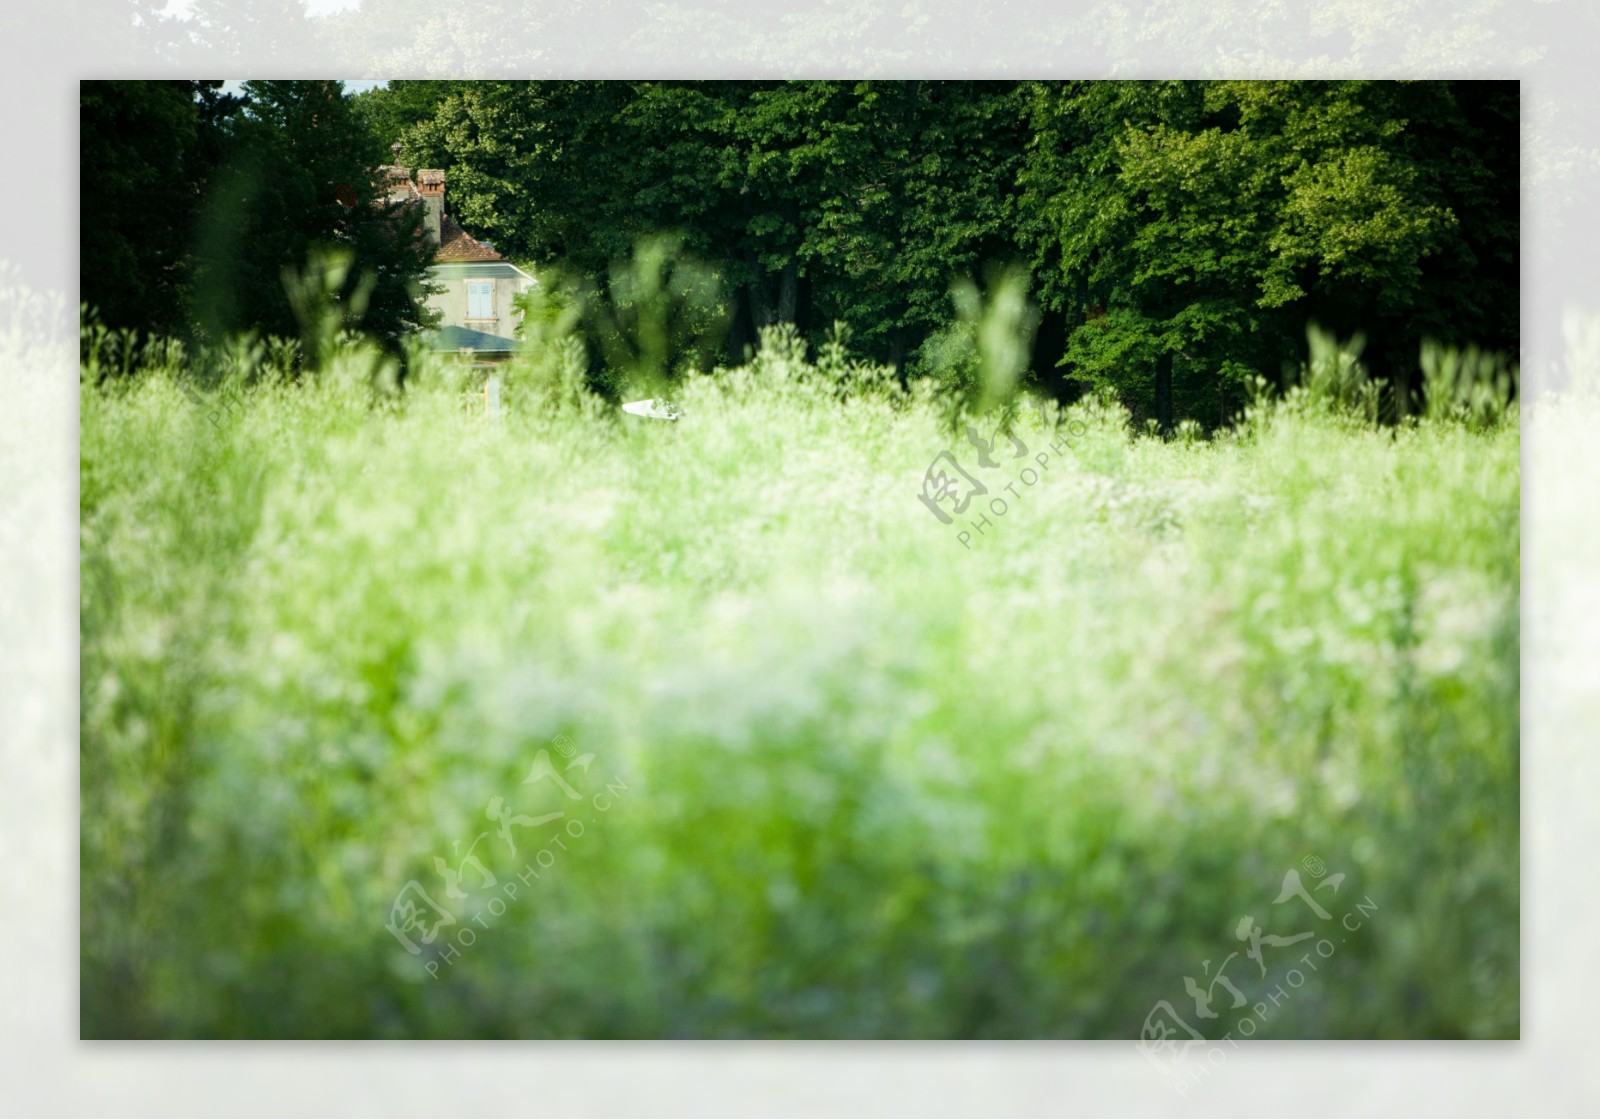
[
  {"x": 386, "y": 111},
  {"x": 1180, "y": 234},
  {"x": 137, "y": 199},
  {"x": 297, "y": 178},
  {"x": 1186, "y": 231},
  {"x": 914, "y": 194},
  {"x": 815, "y": 200},
  {"x": 195, "y": 202}
]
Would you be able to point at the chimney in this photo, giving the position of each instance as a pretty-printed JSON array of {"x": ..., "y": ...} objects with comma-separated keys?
[
  {"x": 395, "y": 182},
  {"x": 430, "y": 183}
]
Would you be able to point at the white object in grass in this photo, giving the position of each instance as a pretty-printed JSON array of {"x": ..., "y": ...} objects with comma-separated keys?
[{"x": 655, "y": 409}]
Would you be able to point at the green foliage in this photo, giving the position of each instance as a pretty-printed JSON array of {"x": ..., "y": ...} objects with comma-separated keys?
[
  {"x": 850, "y": 375},
  {"x": 299, "y": 182},
  {"x": 1206, "y": 222},
  {"x": 876, "y": 784},
  {"x": 385, "y": 112},
  {"x": 327, "y": 299},
  {"x": 249, "y": 360},
  {"x": 949, "y": 358},
  {"x": 138, "y": 142},
  {"x": 978, "y": 361},
  {"x": 1468, "y": 386},
  {"x": 1334, "y": 376},
  {"x": 817, "y": 201},
  {"x": 658, "y": 318},
  {"x": 212, "y": 198},
  {"x": 1180, "y": 234},
  {"x": 106, "y": 354},
  {"x": 552, "y": 369}
]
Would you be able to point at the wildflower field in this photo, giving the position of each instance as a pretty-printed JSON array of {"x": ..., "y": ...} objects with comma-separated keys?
[{"x": 400, "y": 718}]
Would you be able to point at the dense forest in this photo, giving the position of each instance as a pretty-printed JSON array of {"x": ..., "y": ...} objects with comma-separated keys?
[{"x": 1177, "y": 237}]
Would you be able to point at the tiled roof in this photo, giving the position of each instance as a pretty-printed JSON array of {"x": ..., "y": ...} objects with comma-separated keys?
[{"x": 456, "y": 245}]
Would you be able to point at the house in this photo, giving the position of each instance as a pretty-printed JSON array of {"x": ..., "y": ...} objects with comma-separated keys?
[{"x": 478, "y": 317}]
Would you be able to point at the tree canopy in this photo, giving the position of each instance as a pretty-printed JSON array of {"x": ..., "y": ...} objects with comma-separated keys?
[
  {"x": 196, "y": 202},
  {"x": 1178, "y": 235},
  {"x": 1189, "y": 230}
]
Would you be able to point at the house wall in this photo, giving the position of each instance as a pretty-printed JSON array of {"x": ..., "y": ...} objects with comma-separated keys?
[{"x": 452, "y": 301}]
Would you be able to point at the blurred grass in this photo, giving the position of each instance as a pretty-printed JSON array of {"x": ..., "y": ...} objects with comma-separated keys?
[{"x": 877, "y": 784}]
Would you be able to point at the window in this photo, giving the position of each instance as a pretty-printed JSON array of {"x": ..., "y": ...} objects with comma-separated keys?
[{"x": 480, "y": 299}]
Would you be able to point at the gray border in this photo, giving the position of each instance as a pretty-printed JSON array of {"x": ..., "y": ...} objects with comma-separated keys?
[{"x": 1548, "y": 44}]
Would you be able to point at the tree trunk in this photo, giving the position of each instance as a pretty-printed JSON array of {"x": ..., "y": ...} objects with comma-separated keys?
[
  {"x": 788, "y": 292},
  {"x": 897, "y": 353},
  {"x": 1164, "y": 391},
  {"x": 742, "y": 338},
  {"x": 802, "y": 309},
  {"x": 1049, "y": 347},
  {"x": 760, "y": 299}
]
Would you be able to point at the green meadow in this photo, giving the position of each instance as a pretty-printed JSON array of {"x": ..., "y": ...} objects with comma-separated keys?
[{"x": 402, "y": 717}]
